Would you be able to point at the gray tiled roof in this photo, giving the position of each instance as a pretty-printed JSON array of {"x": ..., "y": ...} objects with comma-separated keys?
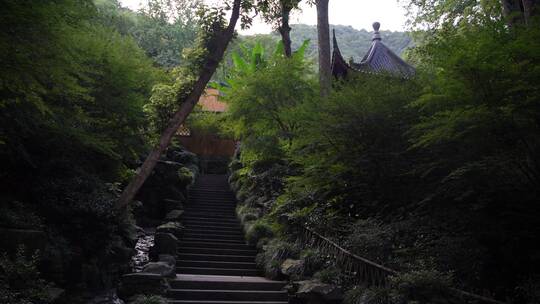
[{"x": 378, "y": 60}]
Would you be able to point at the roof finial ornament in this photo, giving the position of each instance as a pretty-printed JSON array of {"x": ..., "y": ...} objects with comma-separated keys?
[{"x": 376, "y": 34}]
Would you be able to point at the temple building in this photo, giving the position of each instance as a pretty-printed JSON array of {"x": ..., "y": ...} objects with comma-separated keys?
[
  {"x": 378, "y": 60},
  {"x": 213, "y": 150}
]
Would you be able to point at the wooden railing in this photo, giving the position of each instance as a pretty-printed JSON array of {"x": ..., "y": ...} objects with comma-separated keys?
[{"x": 364, "y": 270}]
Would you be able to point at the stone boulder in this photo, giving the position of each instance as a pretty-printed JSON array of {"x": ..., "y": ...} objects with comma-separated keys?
[
  {"x": 167, "y": 258},
  {"x": 182, "y": 156},
  {"x": 316, "y": 292},
  {"x": 173, "y": 228},
  {"x": 162, "y": 268},
  {"x": 171, "y": 204},
  {"x": 165, "y": 243},
  {"x": 107, "y": 297},
  {"x": 174, "y": 216},
  {"x": 163, "y": 183},
  {"x": 166, "y": 266},
  {"x": 142, "y": 283},
  {"x": 54, "y": 294},
  {"x": 292, "y": 267}
]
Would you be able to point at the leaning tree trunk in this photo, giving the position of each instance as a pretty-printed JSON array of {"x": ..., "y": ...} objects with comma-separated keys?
[
  {"x": 285, "y": 28},
  {"x": 323, "y": 31},
  {"x": 187, "y": 106}
]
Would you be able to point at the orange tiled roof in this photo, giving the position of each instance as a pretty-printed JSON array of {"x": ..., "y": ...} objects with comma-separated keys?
[{"x": 210, "y": 101}]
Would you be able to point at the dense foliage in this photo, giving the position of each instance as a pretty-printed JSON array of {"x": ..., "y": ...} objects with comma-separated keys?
[
  {"x": 76, "y": 77},
  {"x": 437, "y": 177},
  {"x": 163, "y": 29}
]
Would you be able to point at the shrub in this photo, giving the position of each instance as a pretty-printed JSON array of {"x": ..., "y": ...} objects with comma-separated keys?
[
  {"x": 242, "y": 193},
  {"x": 372, "y": 239},
  {"x": 247, "y": 214},
  {"x": 251, "y": 201},
  {"x": 372, "y": 295},
  {"x": 257, "y": 231},
  {"x": 273, "y": 255},
  {"x": 18, "y": 215},
  {"x": 423, "y": 286},
  {"x": 313, "y": 261},
  {"x": 330, "y": 275},
  {"x": 186, "y": 176},
  {"x": 234, "y": 166},
  {"x": 248, "y": 217},
  {"x": 20, "y": 280}
]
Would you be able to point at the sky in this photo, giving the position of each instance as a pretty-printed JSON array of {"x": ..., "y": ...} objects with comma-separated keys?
[{"x": 360, "y": 14}]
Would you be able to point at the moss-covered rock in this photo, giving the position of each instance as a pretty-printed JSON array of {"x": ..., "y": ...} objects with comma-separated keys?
[
  {"x": 292, "y": 268},
  {"x": 174, "y": 228},
  {"x": 257, "y": 231},
  {"x": 164, "y": 243},
  {"x": 142, "y": 283},
  {"x": 185, "y": 176},
  {"x": 318, "y": 292},
  {"x": 174, "y": 215},
  {"x": 172, "y": 204},
  {"x": 161, "y": 268}
]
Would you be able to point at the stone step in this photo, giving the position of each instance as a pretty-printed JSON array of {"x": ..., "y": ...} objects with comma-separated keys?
[
  {"x": 218, "y": 271},
  {"x": 227, "y": 295},
  {"x": 213, "y": 225},
  {"x": 216, "y": 251},
  {"x": 216, "y": 193},
  {"x": 228, "y": 285},
  {"x": 210, "y": 214},
  {"x": 223, "y": 236},
  {"x": 210, "y": 207},
  {"x": 205, "y": 206},
  {"x": 216, "y": 257},
  {"x": 203, "y": 213},
  {"x": 209, "y": 190},
  {"x": 213, "y": 229},
  {"x": 216, "y": 264},
  {"x": 200, "y": 244},
  {"x": 206, "y": 219},
  {"x": 197, "y": 223},
  {"x": 221, "y": 218},
  {"x": 212, "y": 199},
  {"x": 222, "y": 302},
  {"x": 221, "y": 242}
]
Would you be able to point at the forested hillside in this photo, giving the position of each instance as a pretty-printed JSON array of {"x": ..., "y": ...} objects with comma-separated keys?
[{"x": 352, "y": 42}]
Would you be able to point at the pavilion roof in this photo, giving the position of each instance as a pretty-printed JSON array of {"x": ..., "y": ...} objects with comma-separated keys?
[{"x": 378, "y": 60}]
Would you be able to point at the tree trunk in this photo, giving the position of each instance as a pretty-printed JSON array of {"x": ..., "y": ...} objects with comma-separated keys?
[
  {"x": 285, "y": 28},
  {"x": 519, "y": 11},
  {"x": 323, "y": 31},
  {"x": 510, "y": 10},
  {"x": 187, "y": 106},
  {"x": 529, "y": 10}
]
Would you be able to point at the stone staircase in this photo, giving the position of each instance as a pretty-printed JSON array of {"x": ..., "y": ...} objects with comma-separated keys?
[{"x": 214, "y": 263}]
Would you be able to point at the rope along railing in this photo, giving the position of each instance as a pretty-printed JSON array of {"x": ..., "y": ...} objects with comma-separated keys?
[{"x": 364, "y": 270}]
